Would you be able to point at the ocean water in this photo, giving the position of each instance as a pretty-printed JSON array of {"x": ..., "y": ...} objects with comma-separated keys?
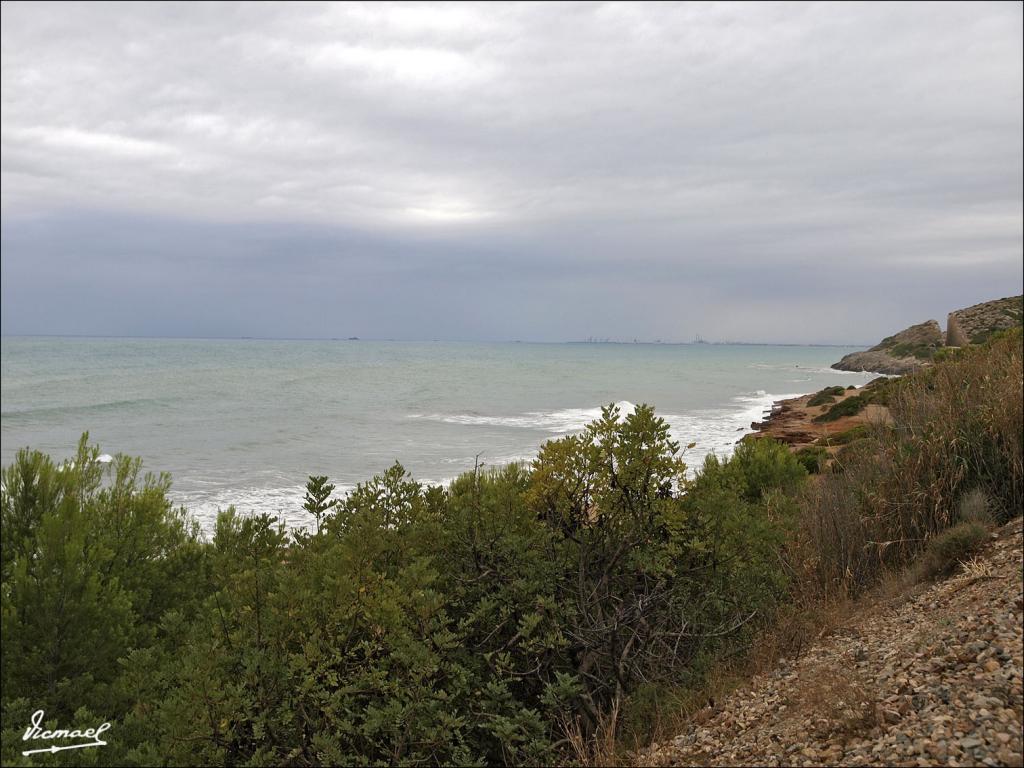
[{"x": 244, "y": 422}]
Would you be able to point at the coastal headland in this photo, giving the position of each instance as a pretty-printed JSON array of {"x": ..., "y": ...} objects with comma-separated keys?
[
  {"x": 917, "y": 346},
  {"x": 820, "y": 425}
]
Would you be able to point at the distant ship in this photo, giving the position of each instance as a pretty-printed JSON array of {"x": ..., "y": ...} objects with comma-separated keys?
[{"x": 698, "y": 340}]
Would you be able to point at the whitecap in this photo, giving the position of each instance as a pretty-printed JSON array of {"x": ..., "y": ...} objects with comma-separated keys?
[
  {"x": 835, "y": 371},
  {"x": 717, "y": 430},
  {"x": 561, "y": 421}
]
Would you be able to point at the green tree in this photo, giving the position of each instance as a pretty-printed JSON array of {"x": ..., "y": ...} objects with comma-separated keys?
[{"x": 318, "y": 491}]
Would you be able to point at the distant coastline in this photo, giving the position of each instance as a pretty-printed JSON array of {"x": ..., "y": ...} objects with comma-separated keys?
[{"x": 433, "y": 341}]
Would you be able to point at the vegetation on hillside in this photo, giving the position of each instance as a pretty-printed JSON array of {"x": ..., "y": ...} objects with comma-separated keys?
[
  {"x": 848, "y": 407},
  {"x": 918, "y": 341},
  {"x": 957, "y": 430},
  {"x": 512, "y": 617},
  {"x": 826, "y": 395}
]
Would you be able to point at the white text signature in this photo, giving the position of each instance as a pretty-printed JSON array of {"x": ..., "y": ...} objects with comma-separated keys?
[{"x": 35, "y": 731}]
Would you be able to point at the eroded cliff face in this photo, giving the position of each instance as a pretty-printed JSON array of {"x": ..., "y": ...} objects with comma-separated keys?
[
  {"x": 914, "y": 347},
  {"x": 897, "y": 354}
]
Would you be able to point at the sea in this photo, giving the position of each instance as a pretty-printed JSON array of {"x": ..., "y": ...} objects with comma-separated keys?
[{"x": 244, "y": 422}]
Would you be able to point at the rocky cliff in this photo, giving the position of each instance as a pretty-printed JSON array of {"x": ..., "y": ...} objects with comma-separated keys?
[
  {"x": 897, "y": 354},
  {"x": 916, "y": 346},
  {"x": 975, "y": 324}
]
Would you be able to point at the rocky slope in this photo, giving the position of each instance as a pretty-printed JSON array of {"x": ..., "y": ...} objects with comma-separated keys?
[
  {"x": 914, "y": 347},
  {"x": 975, "y": 324},
  {"x": 897, "y": 354},
  {"x": 930, "y": 677}
]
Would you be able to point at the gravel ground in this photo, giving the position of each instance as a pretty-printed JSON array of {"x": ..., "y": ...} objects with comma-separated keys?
[{"x": 929, "y": 678}]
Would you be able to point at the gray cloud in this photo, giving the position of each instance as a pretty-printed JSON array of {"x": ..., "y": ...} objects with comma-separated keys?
[{"x": 786, "y": 172}]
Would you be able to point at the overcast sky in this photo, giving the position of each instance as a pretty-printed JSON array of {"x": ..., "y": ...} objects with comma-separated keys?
[{"x": 800, "y": 173}]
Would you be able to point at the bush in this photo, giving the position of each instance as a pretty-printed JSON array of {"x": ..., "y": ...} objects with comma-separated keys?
[
  {"x": 948, "y": 549},
  {"x": 945, "y": 353},
  {"x": 880, "y": 390},
  {"x": 850, "y": 435},
  {"x": 913, "y": 349},
  {"x": 958, "y": 427},
  {"x": 93, "y": 555},
  {"x": 856, "y": 450},
  {"x": 813, "y": 458},
  {"x": 826, "y": 395},
  {"x": 760, "y": 467},
  {"x": 848, "y": 407},
  {"x": 478, "y": 624}
]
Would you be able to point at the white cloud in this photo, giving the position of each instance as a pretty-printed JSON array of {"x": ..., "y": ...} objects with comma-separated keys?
[
  {"x": 416, "y": 67},
  {"x": 76, "y": 140}
]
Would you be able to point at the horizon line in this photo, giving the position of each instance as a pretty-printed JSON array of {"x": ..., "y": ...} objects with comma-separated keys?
[{"x": 658, "y": 342}]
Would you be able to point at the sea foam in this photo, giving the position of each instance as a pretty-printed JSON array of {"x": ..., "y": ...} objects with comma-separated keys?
[{"x": 561, "y": 421}]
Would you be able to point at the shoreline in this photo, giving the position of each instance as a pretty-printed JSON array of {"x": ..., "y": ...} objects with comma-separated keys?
[
  {"x": 791, "y": 420},
  {"x": 721, "y": 430}
]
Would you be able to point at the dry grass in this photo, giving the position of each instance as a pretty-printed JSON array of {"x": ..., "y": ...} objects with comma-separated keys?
[
  {"x": 836, "y": 702},
  {"x": 955, "y": 451},
  {"x": 796, "y": 627},
  {"x": 975, "y": 569},
  {"x": 895, "y": 583},
  {"x": 600, "y": 749}
]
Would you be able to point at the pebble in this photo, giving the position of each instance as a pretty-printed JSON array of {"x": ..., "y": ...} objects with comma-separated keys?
[{"x": 931, "y": 679}]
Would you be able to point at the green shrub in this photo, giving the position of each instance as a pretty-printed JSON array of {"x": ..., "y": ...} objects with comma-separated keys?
[
  {"x": 464, "y": 625},
  {"x": 850, "y": 435},
  {"x": 948, "y": 549},
  {"x": 813, "y": 458},
  {"x": 945, "y": 353},
  {"x": 859, "y": 449},
  {"x": 912, "y": 349},
  {"x": 826, "y": 395},
  {"x": 93, "y": 556},
  {"x": 993, "y": 337},
  {"x": 881, "y": 389},
  {"x": 848, "y": 407},
  {"x": 759, "y": 467}
]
